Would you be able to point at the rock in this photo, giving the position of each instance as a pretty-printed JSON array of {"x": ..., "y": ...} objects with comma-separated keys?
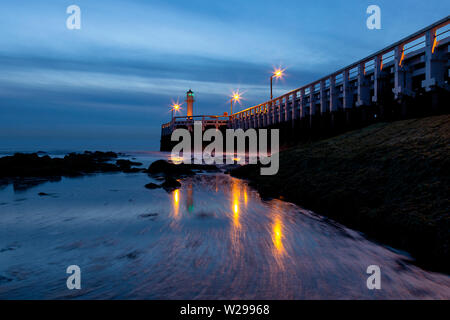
[
  {"x": 132, "y": 255},
  {"x": 205, "y": 215},
  {"x": 168, "y": 169},
  {"x": 127, "y": 164},
  {"x": 201, "y": 167},
  {"x": 42, "y": 194},
  {"x": 152, "y": 186},
  {"x": 5, "y": 279},
  {"x": 148, "y": 215},
  {"x": 26, "y": 170},
  {"x": 170, "y": 184},
  {"x": 102, "y": 155},
  {"x": 10, "y": 247},
  {"x": 134, "y": 170}
]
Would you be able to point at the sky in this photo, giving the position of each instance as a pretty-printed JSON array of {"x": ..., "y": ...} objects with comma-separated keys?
[{"x": 109, "y": 85}]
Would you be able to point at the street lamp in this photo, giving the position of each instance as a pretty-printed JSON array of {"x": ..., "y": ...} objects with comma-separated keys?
[
  {"x": 235, "y": 97},
  {"x": 278, "y": 73}
]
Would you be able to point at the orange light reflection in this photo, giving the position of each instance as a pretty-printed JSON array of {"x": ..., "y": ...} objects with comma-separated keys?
[{"x": 176, "y": 203}]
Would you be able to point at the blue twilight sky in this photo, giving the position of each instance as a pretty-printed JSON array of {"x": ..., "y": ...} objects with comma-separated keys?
[{"x": 109, "y": 85}]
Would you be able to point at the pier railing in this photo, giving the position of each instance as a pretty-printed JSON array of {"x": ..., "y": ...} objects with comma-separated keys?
[
  {"x": 421, "y": 56},
  {"x": 416, "y": 64},
  {"x": 188, "y": 122}
]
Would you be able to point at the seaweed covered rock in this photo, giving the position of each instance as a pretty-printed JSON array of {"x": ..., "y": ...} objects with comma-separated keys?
[
  {"x": 28, "y": 169},
  {"x": 168, "y": 168},
  {"x": 152, "y": 185},
  {"x": 170, "y": 184}
]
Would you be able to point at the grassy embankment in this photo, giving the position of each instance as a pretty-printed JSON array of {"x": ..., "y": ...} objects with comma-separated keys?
[{"x": 389, "y": 180}]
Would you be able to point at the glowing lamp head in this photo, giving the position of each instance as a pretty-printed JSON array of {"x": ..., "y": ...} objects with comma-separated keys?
[
  {"x": 278, "y": 73},
  {"x": 236, "y": 96},
  {"x": 176, "y": 106}
]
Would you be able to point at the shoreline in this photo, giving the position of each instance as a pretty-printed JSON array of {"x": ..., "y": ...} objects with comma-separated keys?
[
  {"x": 389, "y": 181},
  {"x": 341, "y": 178}
]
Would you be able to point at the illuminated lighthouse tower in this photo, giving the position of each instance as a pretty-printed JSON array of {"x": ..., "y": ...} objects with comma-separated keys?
[{"x": 190, "y": 103}]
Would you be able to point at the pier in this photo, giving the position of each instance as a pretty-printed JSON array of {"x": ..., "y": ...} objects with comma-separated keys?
[{"x": 409, "y": 78}]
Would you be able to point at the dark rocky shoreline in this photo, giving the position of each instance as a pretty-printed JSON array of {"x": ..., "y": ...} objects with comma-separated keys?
[
  {"x": 25, "y": 170},
  {"x": 389, "y": 180},
  {"x": 171, "y": 172}
]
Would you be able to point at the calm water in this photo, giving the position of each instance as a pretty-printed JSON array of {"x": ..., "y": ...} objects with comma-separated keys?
[{"x": 214, "y": 238}]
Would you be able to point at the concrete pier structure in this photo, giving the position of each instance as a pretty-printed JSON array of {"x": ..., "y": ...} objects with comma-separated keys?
[{"x": 409, "y": 78}]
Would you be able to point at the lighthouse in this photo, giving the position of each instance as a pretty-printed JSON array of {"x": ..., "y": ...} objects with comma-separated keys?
[{"x": 190, "y": 103}]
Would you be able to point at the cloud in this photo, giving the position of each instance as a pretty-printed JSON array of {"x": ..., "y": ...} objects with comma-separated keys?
[{"x": 131, "y": 58}]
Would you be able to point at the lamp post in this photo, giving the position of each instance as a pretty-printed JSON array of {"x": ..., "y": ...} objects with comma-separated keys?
[{"x": 278, "y": 73}]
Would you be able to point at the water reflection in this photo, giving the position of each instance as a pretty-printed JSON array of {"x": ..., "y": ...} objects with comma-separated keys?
[
  {"x": 245, "y": 196},
  {"x": 277, "y": 236},
  {"x": 235, "y": 194},
  {"x": 236, "y": 232},
  {"x": 189, "y": 198},
  {"x": 223, "y": 242},
  {"x": 176, "y": 204}
]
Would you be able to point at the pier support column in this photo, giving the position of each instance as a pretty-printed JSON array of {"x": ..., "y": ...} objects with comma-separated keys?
[
  {"x": 262, "y": 117},
  {"x": 402, "y": 83},
  {"x": 258, "y": 114},
  {"x": 323, "y": 106},
  {"x": 378, "y": 67},
  {"x": 363, "y": 94},
  {"x": 398, "y": 72},
  {"x": 303, "y": 113},
  {"x": 333, "y": 107},
  {"x": 376, "y": 98},
  {"x": 312, "y": 109},
  {"x": 294, "y": 108},
  {"x": 363, "y": 87},
  {"x": 324, "y": 121},
  {"x": 265, "y": 116},
  {"x": 434, "y": 68},
  {"x": 280, "y": 107},
  {"x": 348, "y": 97},
  {"x": 286, "y": 108},
  {"x": 275, "y": 112},
  {"x": 271, "y": 114}
]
